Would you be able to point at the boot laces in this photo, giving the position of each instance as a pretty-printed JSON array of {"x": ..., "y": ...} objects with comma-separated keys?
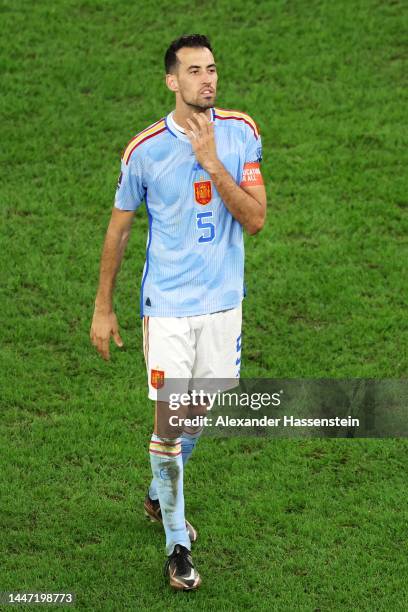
[{"x": 182, "y": 559}]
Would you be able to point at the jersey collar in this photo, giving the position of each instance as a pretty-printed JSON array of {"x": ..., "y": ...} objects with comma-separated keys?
[{"x": 175, "y": 129}]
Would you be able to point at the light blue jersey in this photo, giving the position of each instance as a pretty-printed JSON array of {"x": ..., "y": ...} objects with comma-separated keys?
[{"x": 195, "y": 249}]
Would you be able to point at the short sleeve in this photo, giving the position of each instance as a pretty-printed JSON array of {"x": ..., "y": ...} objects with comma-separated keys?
[
  {"x": 130, "y": 191},
  {"x": 253, "y": 147}
]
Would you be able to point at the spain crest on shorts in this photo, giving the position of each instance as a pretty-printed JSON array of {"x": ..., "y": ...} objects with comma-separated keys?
[
  {"x": 157, "y": 379},
  {"x": 203, "y": 192}
]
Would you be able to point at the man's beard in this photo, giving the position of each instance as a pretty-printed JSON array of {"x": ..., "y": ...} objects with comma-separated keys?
[{"x": 196, "y": 105}]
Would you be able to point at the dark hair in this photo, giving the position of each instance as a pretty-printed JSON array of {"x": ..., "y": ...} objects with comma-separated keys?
[{"x": 189, "y": 40}]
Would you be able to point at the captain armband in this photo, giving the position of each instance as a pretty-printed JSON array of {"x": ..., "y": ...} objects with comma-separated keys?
[{"x": 251, "y": 175}]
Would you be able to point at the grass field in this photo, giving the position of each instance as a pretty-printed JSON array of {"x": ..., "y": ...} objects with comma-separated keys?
[{"x": 286, "y": 525}]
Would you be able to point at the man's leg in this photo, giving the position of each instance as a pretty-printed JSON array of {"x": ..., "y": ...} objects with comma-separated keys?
[
  {"x": 169, "y": 347},
  {"x": 168, "y": 350},
  {"x": 189, "y": 439},
  {"x": 167, "y": 468}
]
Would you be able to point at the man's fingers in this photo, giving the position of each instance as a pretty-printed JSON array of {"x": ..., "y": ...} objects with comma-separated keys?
[
  {"x": 118, "y": 340},
  {"x": 206, "y": 126},
  {"x": 202, "y": 122},
  {"x": 103, "y": 348},
  {"x": 193, "y": 133},
  {"x": 198, "y": 125},
  {"x": 103, "y": 327},
  {"x": 102, "y": 344},
  {"x": 198, "y": 119}
]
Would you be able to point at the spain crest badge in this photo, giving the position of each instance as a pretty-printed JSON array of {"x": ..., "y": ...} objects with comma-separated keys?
[
  {"x": 203, "y": 192},
  {"x": 157, "y": 379}
]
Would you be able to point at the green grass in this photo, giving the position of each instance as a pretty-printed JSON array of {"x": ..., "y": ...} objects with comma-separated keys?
[{"x": 286, "y": 524}]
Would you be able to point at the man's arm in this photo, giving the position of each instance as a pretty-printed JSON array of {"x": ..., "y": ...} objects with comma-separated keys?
[
  {"x": 246, "y": 204},
  {"x": 104, "y": 322}
]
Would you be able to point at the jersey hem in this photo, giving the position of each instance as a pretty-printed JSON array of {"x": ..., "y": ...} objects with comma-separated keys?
[{"x": 189, "y": 313}]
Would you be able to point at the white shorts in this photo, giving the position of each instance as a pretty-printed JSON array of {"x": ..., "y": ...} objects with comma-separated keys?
[{"x": 200, "y": 347}]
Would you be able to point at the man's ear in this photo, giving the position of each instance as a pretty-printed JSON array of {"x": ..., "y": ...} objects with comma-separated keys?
[{"x": 171, "y": 82}]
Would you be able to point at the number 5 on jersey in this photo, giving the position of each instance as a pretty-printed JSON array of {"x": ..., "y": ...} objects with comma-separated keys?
[{"x": 209, "y": 228}]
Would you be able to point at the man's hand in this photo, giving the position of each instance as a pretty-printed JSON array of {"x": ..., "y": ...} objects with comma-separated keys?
[
  {"x": 246, "y": 204},
  {"x": 104, "y": 325},
  {"x": 201, "y": 135}
]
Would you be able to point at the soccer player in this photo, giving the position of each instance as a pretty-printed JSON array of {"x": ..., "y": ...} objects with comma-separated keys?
[{"x": 198, "y": 171}]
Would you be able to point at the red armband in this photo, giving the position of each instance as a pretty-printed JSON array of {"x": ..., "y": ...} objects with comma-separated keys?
[{"x": 251, "y": 175}]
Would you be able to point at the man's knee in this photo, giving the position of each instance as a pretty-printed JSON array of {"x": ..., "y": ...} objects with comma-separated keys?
[
  {"x": 197, "y": 410},
  {"x": 169, "y": 423}
]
